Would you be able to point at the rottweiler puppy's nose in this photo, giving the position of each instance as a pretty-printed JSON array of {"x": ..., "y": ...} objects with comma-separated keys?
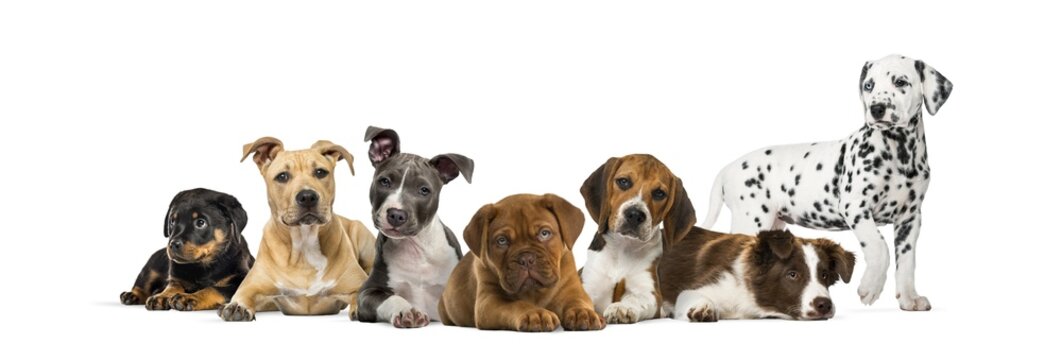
[
  {"x": 878, "y": 111},
  {"x": 307, "y": 198},
  {"x": 396, "y": 217},
  {"x": 822, "y": 305},
  {"x": 176, "y": 245},
  {"x": 634, "y": 216}
]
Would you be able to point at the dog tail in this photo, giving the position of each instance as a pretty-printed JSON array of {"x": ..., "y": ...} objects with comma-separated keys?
[{"x": 716, "y": 202}]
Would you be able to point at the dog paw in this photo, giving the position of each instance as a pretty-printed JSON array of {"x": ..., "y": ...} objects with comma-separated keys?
[
  {"x": 157, "y": 302},
  {"x": 918, "y": 303},
  {"x": 870, "y": 288},
  {"x": 582, "y": 319},
  {"x": 184, "y": 302},
  {"x": 620, "y": 313},
  {"x": 411, "y": 318},
  {"x": 538, "y": 320},
  {"x": 702, "y": 313},
  {"x": 130, "y": 298},
  {"x": 235, "y": 312}
]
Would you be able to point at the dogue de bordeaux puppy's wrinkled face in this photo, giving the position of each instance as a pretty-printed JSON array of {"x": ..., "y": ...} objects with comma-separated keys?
[
  {"x": 523, "y": 239},
  {"x": 631, "y": 196},
  {"x": 202, "y": 224},
  {"x": 299, "y": 183}
]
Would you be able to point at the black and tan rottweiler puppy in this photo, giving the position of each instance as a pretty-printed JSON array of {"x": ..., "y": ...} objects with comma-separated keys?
[{"x": 206, "y": 257}]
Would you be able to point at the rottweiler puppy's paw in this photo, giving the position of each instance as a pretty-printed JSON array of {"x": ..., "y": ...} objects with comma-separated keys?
[
  {"x": 411, "y": 318},
  {"x": 235, "y": 312},
  {"x": 131, "y": 298},
  {"x": 158, "y": 302},
  {"x": 582, "y": 319},
  {"x": 538, "y": 320},
  {"x": 185, "y": 302}
]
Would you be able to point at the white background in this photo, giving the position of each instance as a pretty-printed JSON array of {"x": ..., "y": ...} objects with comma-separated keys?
[{"x": 110, "y": 108}]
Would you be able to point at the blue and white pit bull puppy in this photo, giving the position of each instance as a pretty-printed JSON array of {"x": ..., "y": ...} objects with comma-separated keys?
[
  {"x": 876, "y": 176},
  {"x": 415, "y": 252}
]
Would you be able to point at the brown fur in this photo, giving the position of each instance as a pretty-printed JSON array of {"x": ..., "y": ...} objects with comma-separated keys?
[{"x": 488, "y": 289}]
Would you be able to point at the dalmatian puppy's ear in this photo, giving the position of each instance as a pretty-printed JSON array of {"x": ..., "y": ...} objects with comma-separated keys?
[
  {"x": 935, "y": 87},
  {"x": 385, "y": 144},
  {"x": 863, "y": 76}
]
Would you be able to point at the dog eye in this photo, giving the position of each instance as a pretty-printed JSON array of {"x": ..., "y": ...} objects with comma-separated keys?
[
  {"x": 544, "y": 234},
  {"x": 385, "y": 182},
  {"x": 320, "y": 173},
  {"x": 792, "y": 275},
  {"x": 200, "y": 223},
  {"x": 282, "y": 177},
  {"x": 425, "y": 191},
  {"x": 624, "y": 183},
  {"x": 900, "y": 83},
  {"x": 503, "y": 241},
  {"x": 659, "y": 194},
  {"x": 825, "y": 276},
  {"x": 868, "y": 86}
]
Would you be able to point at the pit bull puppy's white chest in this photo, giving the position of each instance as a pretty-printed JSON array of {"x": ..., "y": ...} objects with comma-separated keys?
[{"x": 418, "y": 267}]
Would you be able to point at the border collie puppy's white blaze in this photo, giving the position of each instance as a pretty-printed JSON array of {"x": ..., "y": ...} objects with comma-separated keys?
[{"x": 711, "y": 276}]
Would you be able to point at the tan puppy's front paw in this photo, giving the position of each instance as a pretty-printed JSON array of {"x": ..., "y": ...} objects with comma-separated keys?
[
  {"x": 582, "y": 319},
  {"x": 157, "y": 302},
  {"x": 235, "y": 312},
  {"x": 538, "y": 320},
  {"x": 411, "y": 318}
]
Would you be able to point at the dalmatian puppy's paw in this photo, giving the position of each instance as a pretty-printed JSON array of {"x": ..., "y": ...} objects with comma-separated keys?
[
  {"x": 235, "y": 312},
  {"x": 870, "y": 288},
  {"x": 410, "y": 318},
  {"x": 620, "y": 313},
  {"x": 917, "y": 303}
]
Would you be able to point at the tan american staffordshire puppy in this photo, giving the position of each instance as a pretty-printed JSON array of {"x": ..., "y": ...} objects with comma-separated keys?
[{"x": 311, "y": 261}]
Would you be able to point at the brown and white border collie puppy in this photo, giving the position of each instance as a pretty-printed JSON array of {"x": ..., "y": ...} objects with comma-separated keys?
[{"x": 710, "y": 276}]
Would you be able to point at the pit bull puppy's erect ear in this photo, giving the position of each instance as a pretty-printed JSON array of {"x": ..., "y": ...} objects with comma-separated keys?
[
  {"x": 776, "y": 243},
  {"x": 595, "y": 192},
  {"x": 385, "y": 144},
  {"x": 234, "y": 211},
  {"x": 336, "y": 152},
  {"x": 476, "y": 231},
  {"x": 935, "y": 87},
  {"x": 264, "y": 150},
  {"x": 841, "y": 261},
  {"x": 450, "y": 165},
  {"x": 569, "y": 218},
  {"x": 680, "y": 216}
]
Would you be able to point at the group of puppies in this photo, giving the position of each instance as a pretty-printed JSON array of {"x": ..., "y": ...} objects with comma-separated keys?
[{"x": 646, "y": 260}]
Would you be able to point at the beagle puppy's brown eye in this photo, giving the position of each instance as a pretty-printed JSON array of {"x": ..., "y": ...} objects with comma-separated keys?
[
  {"x": 624, "y": 183},
  {"x": 659, "y": 195},
  {"x": 502, "y": 241},
  {"x": 282, "y": 177},
  {"x": 792, "y": 275},
  {"x": 200, "y": 224},
  {"x": 544, "y": 234},
  {"x": 320, "y": 173}
]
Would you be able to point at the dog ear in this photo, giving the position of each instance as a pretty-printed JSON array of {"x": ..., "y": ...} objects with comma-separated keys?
[
  {"x": 841, "y": 261},
  {"x": 596, "y": 190},
  {"x": 863, "y": 76},
  {"x": 680, "y": 216},
  {"x": 384, "y": 144},
  {"x": 569, "y": 218},
  {"x": 166, "y": 230},
  {"x": 235, "y": 212},
  {"x": 775, "y": 244},
  {"x": 336, "y": 152},
  {"x": 450, "y": 165},
  {"x": 935, "y": 87},
  {"x": 264, "y": 150},
  {"x": 476, "y": 231}
]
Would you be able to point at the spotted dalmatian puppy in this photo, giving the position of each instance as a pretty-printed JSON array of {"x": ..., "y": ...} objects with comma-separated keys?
[{"x": 876, "y": 176}]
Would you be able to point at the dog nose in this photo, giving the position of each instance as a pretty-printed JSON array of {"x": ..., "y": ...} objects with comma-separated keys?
[
  {"x": 822, "y": 305},
  {"x": 307, "y": 198},
  {"x": 634, "y": 216},
  {"x": 526, "y": 260},
  {"x": 176, "y": 245},
  {"x": 878, "y": 111},
  {"x": 396, "y": 217}
]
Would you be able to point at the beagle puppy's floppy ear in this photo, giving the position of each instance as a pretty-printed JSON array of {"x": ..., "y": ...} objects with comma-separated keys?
[
  {"x": 680, "y": 216},
  {"x": 476, "y": 236},
  {"x": 450, "y": 165},
  {"x": 264, "y": 150},
  {"x": 335, "y": 152},
  {"x": 569, "y": 218},
  {"x": 935, "y": 87},
  {"x": 385, "y": 144},
  {"x": 596, "y": 190}
]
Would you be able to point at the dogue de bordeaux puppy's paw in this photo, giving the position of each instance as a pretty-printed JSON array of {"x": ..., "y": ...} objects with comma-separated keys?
[
  {"x": 130, "y": 298},
  {"x": 235, "y": 312},
  {"x": 411, "y": 318},
  {"x": 582, "y": 319},
  {"x": 538, "y": 320},
  {"x": 187, "y": 302},
  {"x": 703, "y": 313},
  {"x": 158, "y": 302}
]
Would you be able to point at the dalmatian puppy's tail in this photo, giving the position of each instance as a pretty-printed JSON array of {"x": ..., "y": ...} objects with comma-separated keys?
[{"x": 716, "y": 202}]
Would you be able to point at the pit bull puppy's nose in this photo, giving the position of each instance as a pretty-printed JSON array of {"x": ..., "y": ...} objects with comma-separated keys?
[
  {"x": 634, "y": 216},
  {"x": 307, "y": 198},
  {"x": 878, "y": 111},
  {"x": 397, "y": 217},
  {"x": 526, "y": 260},
  {"x": 822, "y": 305}
]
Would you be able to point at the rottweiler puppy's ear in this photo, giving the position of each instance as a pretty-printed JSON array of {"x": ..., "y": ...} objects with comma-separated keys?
[
  {"x": 596, "y": 190},
  {"x": 234, "y": 212},
  {"x": 335, "y": 152},
  {"x": 476, "y": 231},
  {"x": 450, "y": 165},
  {"x": 680, "y": 216},
  {"x": 569, "y": 218},
  {"x": 264, "y": 150},
  {"x": 385, "y": 144},
  {"x": 166, "y": 230}
]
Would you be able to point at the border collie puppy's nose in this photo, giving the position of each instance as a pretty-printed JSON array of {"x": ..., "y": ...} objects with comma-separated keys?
[
  {"x": 822, "y": 305},
  {"x": 878, "y": 111},
  {"x": 397, "y": 217},
  {"x": 634, "y": 216},
  {"x": 307, "y": 198}
]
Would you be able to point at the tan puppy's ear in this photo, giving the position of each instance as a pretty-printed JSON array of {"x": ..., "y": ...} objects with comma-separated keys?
[
  {"x": 476, "y": 231},
  {"x": 569, "y": 218},
  {"x": 264, "y": 150},
  {"x": 336, "y": 152},
  {"x": 680, "y": 216},
  {"x": 596, "y": 190}
]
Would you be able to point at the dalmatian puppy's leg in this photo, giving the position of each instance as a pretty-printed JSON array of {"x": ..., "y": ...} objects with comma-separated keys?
[
  {"x": 875, "y": 253},
  {"x": 907, "y": 230}
]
